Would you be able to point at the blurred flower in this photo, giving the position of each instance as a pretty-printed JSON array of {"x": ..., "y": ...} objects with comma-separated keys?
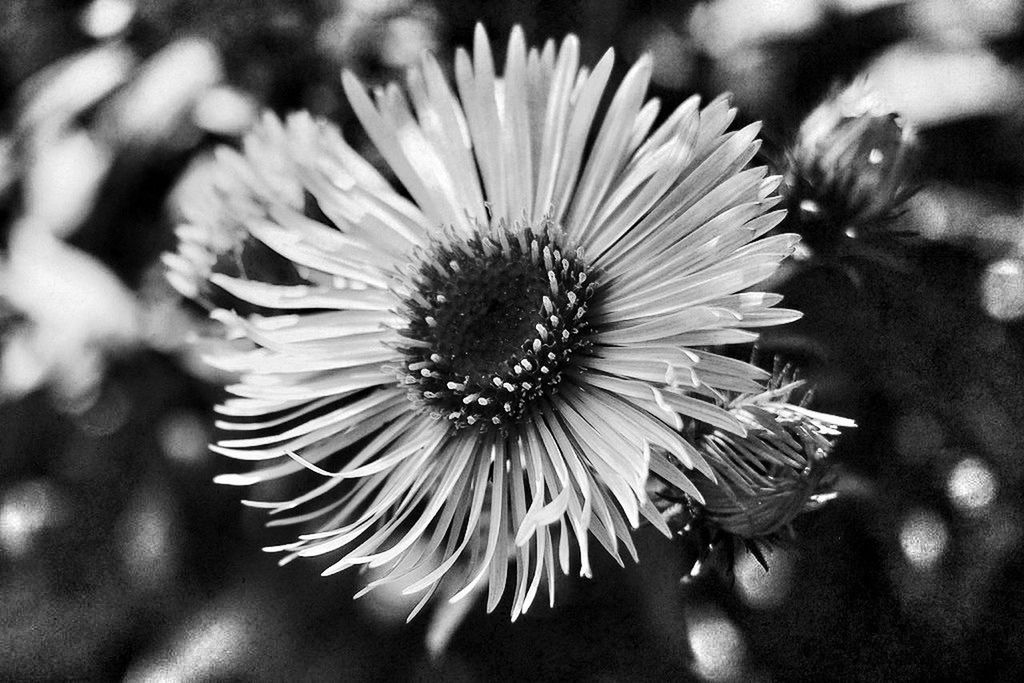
[
  {"x": 849, "y": 166},
  {"x": 79, "y": 114},
  {"x": 506, "y": 352},
  {"x": 725, "y": 26},
  {"x": 224, "y": 110},
  {"x": 392, "y": 32},
  {"x": 77, "y": 119},
  {"x": 215, "y": 199},
  {"x": 766, "y": 477},
  {"x": 157, "y": 105},
  {"x": 61, "y": 158},
  {"x": 931, "y": 85},
  {"x": 66, "y": 164},
  {"x": 740, "y": 39},
  {"x": 55, "y": 96},
  {"x": 75, "y": 312},
  {"x": 965, "y": 23}
]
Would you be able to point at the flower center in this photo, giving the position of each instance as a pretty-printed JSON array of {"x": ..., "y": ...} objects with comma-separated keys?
[{"x": 493, "y": 323}]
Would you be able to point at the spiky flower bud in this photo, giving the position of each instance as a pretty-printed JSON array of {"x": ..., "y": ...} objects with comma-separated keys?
[
  {"x": 777, "y": 471},
  {"x": 765, "y": 478},
  {"x": 850, "y": 165}
]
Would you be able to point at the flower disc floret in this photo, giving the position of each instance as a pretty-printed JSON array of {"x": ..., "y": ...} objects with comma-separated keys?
[{"x": 493, "y": 323}]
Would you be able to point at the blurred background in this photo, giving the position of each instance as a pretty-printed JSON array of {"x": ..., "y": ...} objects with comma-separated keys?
[{"x": 120, "y": 558}]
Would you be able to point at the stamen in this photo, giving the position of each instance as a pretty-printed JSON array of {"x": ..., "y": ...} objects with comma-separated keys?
[{"x": 488, "y": 332}]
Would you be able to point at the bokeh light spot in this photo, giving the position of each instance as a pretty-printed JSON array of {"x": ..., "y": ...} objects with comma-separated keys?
[
  {"x": 147, "y": 551},
  {"x": 923, "y": 538},
  {"x": 1002, "y": 289},
  {"x": 107, "y": 18},
  {"x": 107, "y": 415},
  {"x": 211, "y": 647},
  {"x": 762, "y": 589},
  {"x": 674, "y": 61},
  {"x": 718, "y": 648},
  {"x": 25, "y": 510},
  {"x": 971, "y": 485},
  {"x": 406, "y": 38},
  {"x": 183, "y": 437}
]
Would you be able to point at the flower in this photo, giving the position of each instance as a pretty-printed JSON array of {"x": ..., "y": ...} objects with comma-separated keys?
[
  {"x": 486, "y": 367},
  {"x": 68, "y": 314},
  {"x": 86, "y": 125},
  {"x": 775, "y": 472},
  {"x": 850, "y": 165},
  {"x": 215, "y": 199},
  {"x": 779, "y": 469}
]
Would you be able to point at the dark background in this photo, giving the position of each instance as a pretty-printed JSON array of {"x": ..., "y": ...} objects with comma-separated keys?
[{"x": 119, "y": 557}]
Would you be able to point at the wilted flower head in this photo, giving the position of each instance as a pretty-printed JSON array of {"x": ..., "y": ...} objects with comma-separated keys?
[
  {"x": 767, "y": 477},
  {"x": 484, "y": 373},
  {"x": 850, "y": 164}
]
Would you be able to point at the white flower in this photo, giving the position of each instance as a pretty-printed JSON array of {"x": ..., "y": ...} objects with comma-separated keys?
[{"x": 486, "y": 366}]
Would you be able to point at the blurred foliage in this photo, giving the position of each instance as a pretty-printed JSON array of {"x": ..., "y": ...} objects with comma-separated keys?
[{"x": 118, "y": 556}]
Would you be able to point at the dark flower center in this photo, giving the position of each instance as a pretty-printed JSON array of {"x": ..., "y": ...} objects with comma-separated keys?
[{"x": 493, "y": 323}]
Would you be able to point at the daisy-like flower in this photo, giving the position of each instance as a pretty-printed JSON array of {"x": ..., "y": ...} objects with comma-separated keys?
[{"x": 486, "y": 365}]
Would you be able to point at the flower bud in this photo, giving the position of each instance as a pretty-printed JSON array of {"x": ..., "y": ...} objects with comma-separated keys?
[
  {"x": 763, "y": 480},
  {"x": 768, "y": 477},
  {"x": 850, "y": 166}
]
